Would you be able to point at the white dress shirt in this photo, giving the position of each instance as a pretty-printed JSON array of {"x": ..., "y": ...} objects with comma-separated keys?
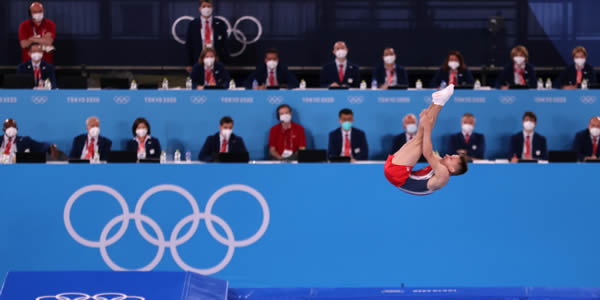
[
  {"x": 344, "y": 64},
  {"x": 85, "y": 147},
  {"x": 221, "y": 138},
  {"x": 141, "y": 153},
  {"x": 13, "y": 147},
  {"x": 518, "y": 76},
  {"x": 274, "y": 76},
  {"x": 394, "y": 77},
  {"x": 344, "y": 133},
  {"x": 525, "y": 143},
  {"x": 203, "y": 30}
]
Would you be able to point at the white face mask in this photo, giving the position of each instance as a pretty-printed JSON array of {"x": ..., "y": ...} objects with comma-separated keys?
[
  {"x": 36, "y": 56},
  {"x": 94, "y": 132},
  {"x": 141, "y": 132},
  {"x": 272, "y": 64},
  {"x": 453, "y": 64},
  {"x": 579, "y": 62},
  {"x": 10, "y": 132},
  {"x": 594, "y": 131},
  {"x": 285, "y": 118},
  {"x": 37, "y": 17},
  {"x": 389, "y": 59},
  {"x": 528, "y": 125},
  {"x": 467, "y": 128},
  {"x": 226, "y": 133},
  {"x": 206, "y": 11},
  {"x": 341, "y": 53},
  {"x": 519, "y": 60},
  {"x": 411, "y": 128},
  {"x": 209, "y": 61}
]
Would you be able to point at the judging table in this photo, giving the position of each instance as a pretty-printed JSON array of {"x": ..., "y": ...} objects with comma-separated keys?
[{"x": 182, "y": 119}]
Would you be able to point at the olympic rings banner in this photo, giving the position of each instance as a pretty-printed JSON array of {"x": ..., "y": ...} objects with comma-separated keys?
[
  {"x": 183, "y": 119},
  {"x": 305, "y": 225}
]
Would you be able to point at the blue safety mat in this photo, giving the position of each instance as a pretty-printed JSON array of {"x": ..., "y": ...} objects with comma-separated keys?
[
  {"x": 112, "y": 285},
  {"x": 415, "y": 293}
]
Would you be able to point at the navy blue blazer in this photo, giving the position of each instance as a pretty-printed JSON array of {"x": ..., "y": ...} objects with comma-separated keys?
[
  {"x": 285, "y": 78},
  {"x": 26, "y": 68},
  {"x": 213, "y": 143},
  {"x": 358, "y": 144},
  {"x": 193, "y": 42},
  {"x": 583, "y": 144},
  {"x": 79, "y": 141},
  {"x": 329, "y": 75},
  {"x": 475, "y": 148},
  {"x": 507, "y": 76},
  {"x": 27, "y": 144},
  {"x": 569, "y": 75},
  {"x": 152, "y": 145},
  {"x": 380, "y": 75},
  {"x": 221, "y": 75},
  {"x": 539, "y": 148},
  {"x": 464, "y": 78}
]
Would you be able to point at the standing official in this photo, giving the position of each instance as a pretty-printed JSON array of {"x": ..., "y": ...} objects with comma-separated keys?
[
  {"x": 206, "y": 32},
  {"x": 37, "y": 29}
]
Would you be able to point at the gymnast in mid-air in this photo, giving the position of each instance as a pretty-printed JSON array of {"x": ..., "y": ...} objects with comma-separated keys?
[{"x": 398, "y": 167}]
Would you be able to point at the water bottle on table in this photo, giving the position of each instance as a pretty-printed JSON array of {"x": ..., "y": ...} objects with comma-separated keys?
[
  {"x": 188, "y": 83},
  {"x": 163, "y": 157},
  {"x": 177, "y": 156},
  {"x": 165, "y": 84},
  {"x": 254, "y": 84},
  {"x": 188, "y": 156},
  {"x": 374, "y": 84}
]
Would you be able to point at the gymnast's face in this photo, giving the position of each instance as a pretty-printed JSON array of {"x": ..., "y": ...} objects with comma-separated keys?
[{"x": 452, "y": 162}]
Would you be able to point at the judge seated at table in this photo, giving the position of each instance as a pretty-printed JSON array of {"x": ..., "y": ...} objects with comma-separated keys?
[
  {"x": 86, "y": 146},
  {"x": 223, "y": 141}
]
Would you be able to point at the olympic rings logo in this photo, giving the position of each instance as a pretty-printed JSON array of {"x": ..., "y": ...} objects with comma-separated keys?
[
  {"x": 174, "y": 240},
  {"x": 507, "y": 99},
  {"x": 237, "y": 34},
  {"x": 198, "y": 99},
  {"x": 121, "y": 99},
  {"x": 39, "y": 99},
  {"x": 588, "y": 99},
  {"x": 82, "y": 296},
  {"x": 356, "y": 99},
  {"x": 275, "y": 99}
]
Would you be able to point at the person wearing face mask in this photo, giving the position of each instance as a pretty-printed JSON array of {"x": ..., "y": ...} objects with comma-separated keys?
[
  {"x": 388, "y": 72},
  {"x": 528, "y": 144},
  {"x": 519, "y": 72},
  {"x": 12, "y": 143},
  {"x": 271, "y": 73},
  {"x": 347, "y": 140},
  {"x": 206, "y": 32},
  {"x": 146, "y": 146},
  {"x": 37, "y": 68},
  {"x": 587, "y": 142},
  {"x": 287, "y": 137},
  {"x": 409, "y": 123},
  {"x": 572, "y": 76},
  {"x": 86, "y": 145},
  {"x": 453, "y": 71},
  {"x": 223, "y": 141},
  {"x": 209, "y": 71},
  {"x": 37, "y": 29},
  {"x": 340, "y": 72},
  {"x": 467, "y": 142}
]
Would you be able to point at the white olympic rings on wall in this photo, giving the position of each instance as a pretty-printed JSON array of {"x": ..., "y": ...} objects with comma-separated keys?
[
  {"x": 173, "y": 240},
  {"x": 237, "y": 33}
]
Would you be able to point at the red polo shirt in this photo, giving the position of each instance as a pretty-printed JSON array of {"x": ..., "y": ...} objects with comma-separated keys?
[
  {"x": 27, "y": 29},
  {"x": 289, "y": 139}
]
